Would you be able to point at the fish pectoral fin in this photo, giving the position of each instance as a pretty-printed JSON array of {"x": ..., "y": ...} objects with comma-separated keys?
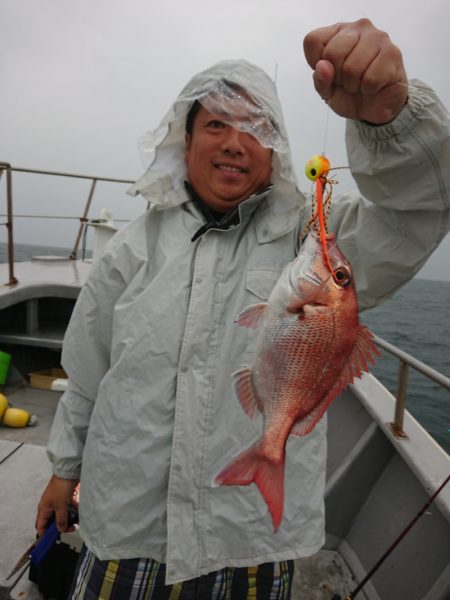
[
  {"x": 251, "y": 316},
  {"x": 243, "y": 386},
  {"x": 306, "y": 424}
]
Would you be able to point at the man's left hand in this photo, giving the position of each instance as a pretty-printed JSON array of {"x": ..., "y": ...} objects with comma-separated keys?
[{"x": 358, "y": 71}]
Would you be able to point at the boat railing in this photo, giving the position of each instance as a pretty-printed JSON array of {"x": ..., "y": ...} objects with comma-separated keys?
[
  {"x": 83, "y": 218},
  {"x": 406, "y": 361}
]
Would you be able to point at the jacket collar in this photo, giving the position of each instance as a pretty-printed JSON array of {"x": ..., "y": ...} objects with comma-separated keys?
[
  {"x": 276, "y": 211},
  {"x": 277, "y": 215}
]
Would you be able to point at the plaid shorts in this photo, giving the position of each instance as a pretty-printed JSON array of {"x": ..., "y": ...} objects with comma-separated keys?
[{"x": 143, "y": 579}]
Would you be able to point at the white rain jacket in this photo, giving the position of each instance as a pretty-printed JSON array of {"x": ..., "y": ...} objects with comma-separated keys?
[{"x": 149, "y": 417}]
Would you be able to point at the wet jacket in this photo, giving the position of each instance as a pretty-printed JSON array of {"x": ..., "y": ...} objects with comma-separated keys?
[{"x": 150, "y": 418}]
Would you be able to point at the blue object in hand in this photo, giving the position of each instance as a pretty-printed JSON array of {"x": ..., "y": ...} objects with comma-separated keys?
[
  {"x": 49, "y": 538},
  {"x": 44, "y": 543}
]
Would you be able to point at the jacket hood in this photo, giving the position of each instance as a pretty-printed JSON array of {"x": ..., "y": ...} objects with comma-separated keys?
[{"x": 163, "y": 149}]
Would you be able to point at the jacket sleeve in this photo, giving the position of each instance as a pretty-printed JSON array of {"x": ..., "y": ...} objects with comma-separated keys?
[
  {"x": 86, "y": 351},
  {"x": 402, "y": 171}
]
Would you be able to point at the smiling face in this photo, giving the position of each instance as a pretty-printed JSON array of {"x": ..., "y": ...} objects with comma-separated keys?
[{"x": 224, "y": 165}]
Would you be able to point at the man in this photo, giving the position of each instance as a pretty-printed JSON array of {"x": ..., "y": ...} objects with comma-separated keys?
[{"x": 149, "y": 417}]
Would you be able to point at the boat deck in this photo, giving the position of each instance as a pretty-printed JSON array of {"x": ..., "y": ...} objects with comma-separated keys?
[
  {"x": 25, "y": 468},
  {"x": 43, "y": 404}
]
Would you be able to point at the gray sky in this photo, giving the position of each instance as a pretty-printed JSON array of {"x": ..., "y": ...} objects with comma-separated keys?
[{"x": 81, "y": 81}]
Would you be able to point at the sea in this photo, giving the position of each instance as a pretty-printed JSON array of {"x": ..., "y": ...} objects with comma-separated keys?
[{"x": 416, "y": 319}]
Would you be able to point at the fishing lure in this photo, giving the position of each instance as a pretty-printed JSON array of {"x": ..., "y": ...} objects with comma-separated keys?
[{"x": 317, "y": 169}]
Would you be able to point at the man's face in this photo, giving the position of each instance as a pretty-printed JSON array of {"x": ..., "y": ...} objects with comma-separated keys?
[{"x": 225, "y": 165}]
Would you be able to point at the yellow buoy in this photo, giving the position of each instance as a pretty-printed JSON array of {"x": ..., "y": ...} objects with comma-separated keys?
[
  {"x": 3, "y": 405},
  {"x": 18, "y": 417}
]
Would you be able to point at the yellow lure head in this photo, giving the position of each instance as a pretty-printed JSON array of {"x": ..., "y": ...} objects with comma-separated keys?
[{"x": 317, "y": 166}]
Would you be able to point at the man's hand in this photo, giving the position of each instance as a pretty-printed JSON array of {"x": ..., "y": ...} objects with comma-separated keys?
[
  {"x": 56, "y": 498},
  {"x": 358, "y": 71}
]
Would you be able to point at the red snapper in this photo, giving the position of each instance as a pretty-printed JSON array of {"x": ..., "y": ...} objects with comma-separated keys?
[{"x": 310, "y": 347}]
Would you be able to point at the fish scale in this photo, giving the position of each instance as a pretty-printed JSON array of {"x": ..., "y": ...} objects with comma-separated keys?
[{"x": 297, "y": 354}]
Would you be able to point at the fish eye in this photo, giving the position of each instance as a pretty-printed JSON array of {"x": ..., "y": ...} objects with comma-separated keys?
[{"x": 342, "y": 276}]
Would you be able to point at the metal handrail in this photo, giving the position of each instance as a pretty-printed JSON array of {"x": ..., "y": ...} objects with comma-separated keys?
[
  {"x": 406, "y": 361},
  {"x": 83, "y": 219},
  {"x": 64, "y": 174},
  {"x": 57, "y": 217},
  {"x": 9, "y": 223}
]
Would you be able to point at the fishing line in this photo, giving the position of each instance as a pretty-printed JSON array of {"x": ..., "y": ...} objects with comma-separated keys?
[
  {"x": 327, "y": 115},
  {"x": 394, "y": 543},
  {"x": 324, "y": 144},
  {"x": 275, "y": 75},
  {"x": 410, "y": 87},
  {"x": 321, "y": 182}
]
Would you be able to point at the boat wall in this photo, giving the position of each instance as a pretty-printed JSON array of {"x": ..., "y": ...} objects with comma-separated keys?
[{"x": 376, "y": 485}]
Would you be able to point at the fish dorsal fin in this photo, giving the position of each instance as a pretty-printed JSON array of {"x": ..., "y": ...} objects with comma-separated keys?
[
  {"x": 251, "y": 316},
  {"x": 357, "y": 362},
  {"x": 243, "y": 387}
]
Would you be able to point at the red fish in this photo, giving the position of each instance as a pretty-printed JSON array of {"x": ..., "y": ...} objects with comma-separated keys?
[{"x": 310, "y": 347}]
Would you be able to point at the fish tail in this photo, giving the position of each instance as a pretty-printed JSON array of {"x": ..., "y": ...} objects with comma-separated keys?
[{"x": 252, "y": 466}]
